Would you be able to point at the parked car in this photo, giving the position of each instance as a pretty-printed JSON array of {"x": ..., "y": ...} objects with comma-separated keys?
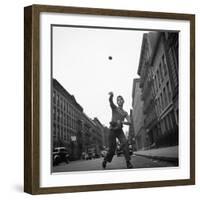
[
  {"x": 91, "y": 153},
  {"x": 85, "y": 156},
  {"x": 60, "y": 154}
]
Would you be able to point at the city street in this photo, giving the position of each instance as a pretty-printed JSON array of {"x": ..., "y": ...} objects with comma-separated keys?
[{"x": 117, "y": 163}]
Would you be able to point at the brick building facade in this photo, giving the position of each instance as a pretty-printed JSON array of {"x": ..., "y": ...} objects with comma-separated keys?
[
  {"x": 71, "y": 127},
  {"x": 158, "y": 71}
]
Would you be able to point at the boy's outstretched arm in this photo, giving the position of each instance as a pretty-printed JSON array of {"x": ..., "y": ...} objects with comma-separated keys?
[{"x": 112, "y": 105}]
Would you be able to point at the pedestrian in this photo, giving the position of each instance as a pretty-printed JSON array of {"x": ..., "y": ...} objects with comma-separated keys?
[{"x": 116, "y": 131}]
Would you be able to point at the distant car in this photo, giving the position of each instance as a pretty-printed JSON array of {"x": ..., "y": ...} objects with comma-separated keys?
[
  {"x": 87, "y": 156},
  {"x": 91, "y": 153},
  {"x": 83, "y": 155},
  {"x": 60, "y": 154},
  {"x": 90, "y": 156}
]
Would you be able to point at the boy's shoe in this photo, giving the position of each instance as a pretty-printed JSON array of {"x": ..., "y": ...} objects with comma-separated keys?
[
  {"x": 129, "y": 165},
  {"x": 104, "y": 164}
]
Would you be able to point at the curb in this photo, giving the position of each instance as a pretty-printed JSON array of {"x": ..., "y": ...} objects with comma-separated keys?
[{"x": 162, "y": 158}]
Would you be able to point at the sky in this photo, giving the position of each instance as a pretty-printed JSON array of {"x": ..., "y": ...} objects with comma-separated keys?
[{"x": 82, "y": 66}]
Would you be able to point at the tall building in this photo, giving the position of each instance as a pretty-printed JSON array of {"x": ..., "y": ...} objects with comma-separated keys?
[
  {"x": 92, "y": 135},
  {"x": 99, "y": 134},
  {"x": 71, "y": 127},
  {"x": 66, "y": 120},
  {"x": 145, "y": 71},
  {"x": 173, "y": 63},
  {"x": 137, "y": 117},
  {"x": 158, "y": 70}
]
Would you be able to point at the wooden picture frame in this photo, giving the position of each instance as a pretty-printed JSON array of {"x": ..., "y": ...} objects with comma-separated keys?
[{"x": 32, "y": 106}]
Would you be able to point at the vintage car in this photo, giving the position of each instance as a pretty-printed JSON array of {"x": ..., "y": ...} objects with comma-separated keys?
[{"x": 60, "y": 154}]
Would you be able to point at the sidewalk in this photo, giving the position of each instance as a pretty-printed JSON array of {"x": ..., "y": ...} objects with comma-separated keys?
[{"x": 166, "y": 153}]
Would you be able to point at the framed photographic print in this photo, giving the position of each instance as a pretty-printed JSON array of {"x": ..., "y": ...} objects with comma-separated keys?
[{"x": 109, "y": 99}]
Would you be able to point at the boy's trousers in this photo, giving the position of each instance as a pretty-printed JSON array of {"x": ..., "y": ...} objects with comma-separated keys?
[{"x": 113, "y": 134}]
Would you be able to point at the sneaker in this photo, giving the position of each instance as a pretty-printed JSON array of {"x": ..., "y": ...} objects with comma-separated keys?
[
  {"x": 129, "y": 165},
  {"x": 104, "y": 164}
]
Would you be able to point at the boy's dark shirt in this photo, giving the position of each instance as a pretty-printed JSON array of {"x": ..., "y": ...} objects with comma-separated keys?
[{"x": 118, "y": 114}]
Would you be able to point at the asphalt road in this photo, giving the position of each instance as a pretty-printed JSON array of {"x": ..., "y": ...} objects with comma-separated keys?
[{"x": 117, "y": 163}]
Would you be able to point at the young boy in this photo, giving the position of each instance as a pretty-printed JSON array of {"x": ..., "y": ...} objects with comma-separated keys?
[{"x": 116, "y": 131}]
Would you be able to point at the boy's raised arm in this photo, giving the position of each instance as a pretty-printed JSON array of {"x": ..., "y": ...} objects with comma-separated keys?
[{"x": 112, "y": 105}]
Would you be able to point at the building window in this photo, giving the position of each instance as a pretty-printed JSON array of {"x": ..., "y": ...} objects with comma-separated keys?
[
  {"x": 173, "y": 58},
  {"x": 68, "y": 135},
  {"x": 156, "y": 107},
  {"x": 58, "y": 115},
  {"x": 70, "y": 122},
  {"x": 173, "y": 120},
  {"x": 65, "y": 134},
  {"x": 57, "y": 99},
  {"x": 164, "y": 64},
  {"x": 67, "y": 121},
  {"x": 161, "y": 97},
  {"x": 158, "y": 75},
  {"x": 169, "y": 121},
  {"x": 54, "y": 113},
  {"x": 169, "y": 92},
  {"x": 61, "y": 134},
  {"x": 165, "y": 97},
  {"x": 61, "y": 102},
  {"x": 162, "y": 126},
  {"x": 64, "y": 119},
  {"x": 155, "y": 84},
  {"x": 54, "y": 97},
  {"x": 160, "y": 70},
  {"x": 58, "y": 131},
  {"x": 159, "y": 105},
  {"x": 54, "y": 129}
]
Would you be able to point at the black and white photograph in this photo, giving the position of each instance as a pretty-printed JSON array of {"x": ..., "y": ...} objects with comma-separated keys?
[
  {"x": 109, "y": 99},
  {"x": 114, "y": 98}
]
